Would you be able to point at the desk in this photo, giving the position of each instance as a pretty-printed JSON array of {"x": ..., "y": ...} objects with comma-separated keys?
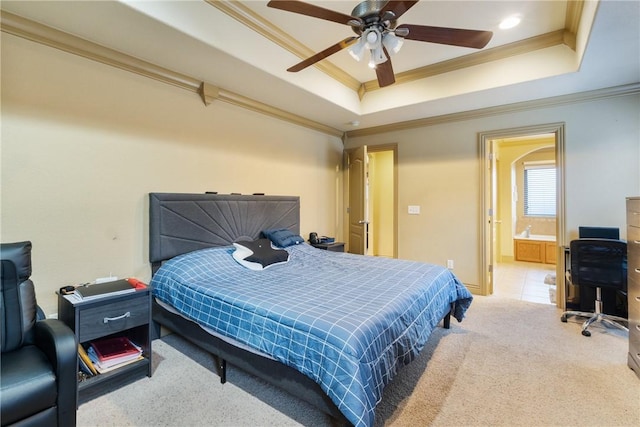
[{"x": 582, "y": 298}]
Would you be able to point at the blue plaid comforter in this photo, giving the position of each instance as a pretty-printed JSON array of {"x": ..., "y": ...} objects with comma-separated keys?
[{"x": 347, "y": 321}]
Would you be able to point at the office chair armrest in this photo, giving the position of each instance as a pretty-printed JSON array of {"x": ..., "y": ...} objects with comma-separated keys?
[{"x": 58, "y": 342}]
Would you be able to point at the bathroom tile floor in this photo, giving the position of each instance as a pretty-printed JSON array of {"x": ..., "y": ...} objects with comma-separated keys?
[{"x": 523, "y": 281}]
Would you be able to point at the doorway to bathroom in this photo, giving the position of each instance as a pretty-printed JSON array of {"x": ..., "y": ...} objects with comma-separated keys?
[{"x": 524, "y": 212}]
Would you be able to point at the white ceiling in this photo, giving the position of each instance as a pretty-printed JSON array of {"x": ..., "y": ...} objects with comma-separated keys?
[{"x": 201, "y": 40}]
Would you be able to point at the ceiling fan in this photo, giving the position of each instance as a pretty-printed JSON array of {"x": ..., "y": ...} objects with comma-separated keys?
[{"x": 374, "y": 22}]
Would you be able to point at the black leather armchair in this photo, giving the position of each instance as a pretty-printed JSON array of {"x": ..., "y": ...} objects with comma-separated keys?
[
  {"x": 39, "y": 357},
  {"x": 598, "y": 263}
]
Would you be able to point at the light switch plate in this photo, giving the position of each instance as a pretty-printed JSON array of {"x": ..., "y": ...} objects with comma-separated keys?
[{"x": 414, "y": 210}]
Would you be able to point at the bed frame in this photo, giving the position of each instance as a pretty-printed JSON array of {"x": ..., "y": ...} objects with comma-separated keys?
[{"x": 181, "y": 223}]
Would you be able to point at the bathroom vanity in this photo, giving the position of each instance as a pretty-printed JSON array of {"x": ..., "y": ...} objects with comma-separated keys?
[{"x": 535, "y": 248}]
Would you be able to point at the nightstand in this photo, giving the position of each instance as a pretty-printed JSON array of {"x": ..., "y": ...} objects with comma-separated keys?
[
  {"x": 333, "y": 247},
  {"x": 127, "y": 315}
]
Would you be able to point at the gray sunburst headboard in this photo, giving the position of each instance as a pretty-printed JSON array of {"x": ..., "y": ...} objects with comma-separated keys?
[{"x": 181, "y": 223}]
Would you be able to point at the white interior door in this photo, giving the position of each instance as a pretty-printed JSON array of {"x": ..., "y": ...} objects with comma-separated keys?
[{"x": 358, "y": 220}]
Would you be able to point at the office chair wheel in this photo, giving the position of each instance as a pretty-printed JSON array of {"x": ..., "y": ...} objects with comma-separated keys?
[
  {"x": 563, "y": 318},
  {"x": 586, "y": 333}
]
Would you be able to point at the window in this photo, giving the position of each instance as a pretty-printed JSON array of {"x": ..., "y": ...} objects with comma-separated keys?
[{"x": 540, "y": 189}]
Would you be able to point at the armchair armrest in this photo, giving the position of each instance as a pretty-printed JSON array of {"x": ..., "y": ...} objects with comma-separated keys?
[{"x": 58, "y": 342}]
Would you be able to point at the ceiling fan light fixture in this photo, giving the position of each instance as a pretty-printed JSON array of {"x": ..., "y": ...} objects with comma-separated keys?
[
  {"x": 392, "y": 43},
  {"x": 377, "y": 57},
  {"x": 371, "y": 63},
  {"x": 357, "y": 50},
  {"x": 372, "y": 38}
]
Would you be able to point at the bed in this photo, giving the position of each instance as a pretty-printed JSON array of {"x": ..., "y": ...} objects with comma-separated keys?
[{"x": 331, "y": 328}]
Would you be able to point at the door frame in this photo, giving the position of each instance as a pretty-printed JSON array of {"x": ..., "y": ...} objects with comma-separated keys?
[{"x": 486, "y": 152}]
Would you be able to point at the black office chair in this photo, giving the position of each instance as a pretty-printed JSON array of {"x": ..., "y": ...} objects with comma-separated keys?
[
  {"x": 39, "y": 356},
  {"x": 598, "y": 263}
]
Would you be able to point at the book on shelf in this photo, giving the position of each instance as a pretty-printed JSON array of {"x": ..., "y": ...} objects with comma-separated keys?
[
  {"x": 99, "y": 290},
  {"x": 84, "y": 362},
  {"x": 111, "y": 352},
  {"x": 103, "y": 370},
  {"x": 115, "y": 347}
]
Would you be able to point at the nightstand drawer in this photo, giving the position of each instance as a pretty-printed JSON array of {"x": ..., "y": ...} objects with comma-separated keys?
[{"x": 106, "y": 319}]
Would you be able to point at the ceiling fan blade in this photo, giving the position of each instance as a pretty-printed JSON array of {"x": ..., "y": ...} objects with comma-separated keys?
[
  {"x": 323, "y": 54},
  {"x": 312, "y": 10},
  {"x": 385, "y": 75},
  {"x": 398, "y": 8},
  {"x": 451, "y": 36}
]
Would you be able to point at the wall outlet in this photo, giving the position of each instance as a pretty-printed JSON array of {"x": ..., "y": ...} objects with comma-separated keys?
[{"x": 450, "y": 264}]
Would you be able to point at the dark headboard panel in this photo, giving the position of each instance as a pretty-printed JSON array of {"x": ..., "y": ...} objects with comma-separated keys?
[{"x": 181, "y": 223}]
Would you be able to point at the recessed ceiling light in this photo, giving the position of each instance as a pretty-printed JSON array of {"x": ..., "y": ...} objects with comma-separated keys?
[{"x": 510, "y": 22}]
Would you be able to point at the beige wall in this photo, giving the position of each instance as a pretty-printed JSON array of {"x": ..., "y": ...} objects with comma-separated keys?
[
  {"x": 84, "y": 143},
  {"x": 439, "y": 169}
]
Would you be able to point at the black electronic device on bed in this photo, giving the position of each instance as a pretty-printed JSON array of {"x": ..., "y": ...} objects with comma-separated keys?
[{"x": 182, "y": 223}]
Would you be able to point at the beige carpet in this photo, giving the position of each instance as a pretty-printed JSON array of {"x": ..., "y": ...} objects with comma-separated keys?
[{"x": 508, "y": 363}]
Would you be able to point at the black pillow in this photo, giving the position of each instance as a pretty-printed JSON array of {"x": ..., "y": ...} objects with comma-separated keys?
[{"x": 263, "y": 253}]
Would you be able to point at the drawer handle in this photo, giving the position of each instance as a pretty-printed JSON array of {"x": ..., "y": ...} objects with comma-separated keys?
[
  {"x": 637, "y": 242},
  {"x": 124, "y": 316},
  {"x": 637, "y": 270}
]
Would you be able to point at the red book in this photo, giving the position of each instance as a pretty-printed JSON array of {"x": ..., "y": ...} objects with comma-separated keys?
[{"x": 110, "y": 348}]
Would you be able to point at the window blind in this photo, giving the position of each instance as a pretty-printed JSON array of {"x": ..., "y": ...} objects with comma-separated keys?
[{"x": 540, "y": 189}]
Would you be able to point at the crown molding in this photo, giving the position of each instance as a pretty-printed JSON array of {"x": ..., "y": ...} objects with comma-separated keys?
[
  {"x": 482, "y": 57},
  {"x": 39, "y": 33},
  {"x": 573, "y": 15},
  {"x": 594, "y": 95},
  {"x": 257, "y": 23},
  {"x": 264, "y": 27}
]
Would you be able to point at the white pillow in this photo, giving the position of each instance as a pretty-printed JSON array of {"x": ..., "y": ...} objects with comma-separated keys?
[{"x": 241, "y": 253}]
